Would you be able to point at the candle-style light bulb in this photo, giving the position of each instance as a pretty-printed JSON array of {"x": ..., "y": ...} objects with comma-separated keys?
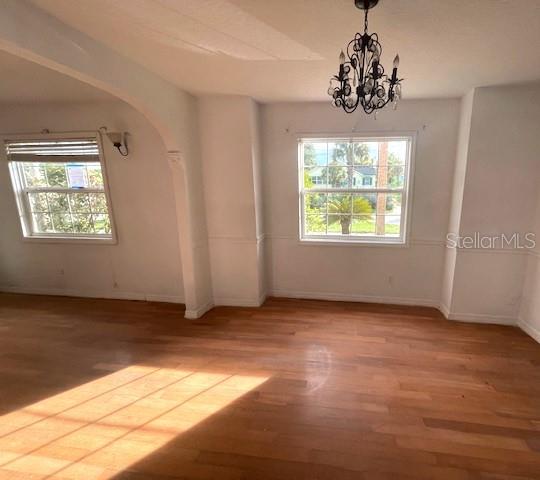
[
  {"x": 394, "y": 70},
  {"x": 341, "y": 58}
]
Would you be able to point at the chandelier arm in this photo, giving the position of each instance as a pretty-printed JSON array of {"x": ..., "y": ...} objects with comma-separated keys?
[{"x": 343, "y": 84}]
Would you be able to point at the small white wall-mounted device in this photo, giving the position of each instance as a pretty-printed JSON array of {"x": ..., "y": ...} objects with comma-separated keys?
[{"x": 118, "y": 139}]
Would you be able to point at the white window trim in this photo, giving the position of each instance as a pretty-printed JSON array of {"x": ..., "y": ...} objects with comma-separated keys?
[
  {"x": 22, "y": 204},
  {"x": 408, "y": 189}
]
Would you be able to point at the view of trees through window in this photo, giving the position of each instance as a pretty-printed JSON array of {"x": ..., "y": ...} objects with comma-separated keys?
[
  {"x": 66, "y": 198},
  {"x": 353, "y": 188}
]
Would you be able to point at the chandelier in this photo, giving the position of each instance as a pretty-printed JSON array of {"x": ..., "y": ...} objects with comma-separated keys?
[{"x": 361, "y": 79}]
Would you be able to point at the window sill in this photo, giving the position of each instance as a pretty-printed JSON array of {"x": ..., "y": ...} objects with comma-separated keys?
[
  {"x": 72, "y": 240},
  {"x": 318, "y": 242}
]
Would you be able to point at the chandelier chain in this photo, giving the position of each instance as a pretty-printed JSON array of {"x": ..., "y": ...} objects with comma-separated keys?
[{"x": 365, "y": 21}]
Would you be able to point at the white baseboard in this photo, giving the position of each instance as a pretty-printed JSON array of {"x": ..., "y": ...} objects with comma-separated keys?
[
  {"x": 239, "y": 302},
  {"x": 529, "y": 329},
  {"x": 479, "y": 318},
  {"x": 463, "y": 317},
  {"x": 443, "y": 308},
  {"x": 193, "y": 314},
  {"x": 225, "y": 302},
  {"x": 476, "y": 317},
  {"x": 343, "y": 297},
  {"x": 62, "y": 292},
  {"x": 534, "y": 332},
  {"x": 153, "y": 297}
]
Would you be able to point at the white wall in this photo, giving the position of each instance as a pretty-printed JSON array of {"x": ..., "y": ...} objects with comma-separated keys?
[
  {"x": 458, "y": 184},
  {"x": 33, "y": 34},
  {"x": 529, "y": 314},
  {"x": 411, "y": 274},
  {"x": 145, "y": 264},
  {"x": 499, "y": 195},
  {"x": 231, "y": 172},
  {"x": 476, "y": 169}
]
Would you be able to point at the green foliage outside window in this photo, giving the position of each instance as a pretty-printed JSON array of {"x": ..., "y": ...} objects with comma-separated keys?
[
  {"x": 69, "y": 210},
  {"x": 345, "y": 166}
]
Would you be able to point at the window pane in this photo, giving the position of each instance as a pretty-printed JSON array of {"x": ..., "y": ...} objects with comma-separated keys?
[
  {"x": 397, "y": 152},
  {"x": 388, "y": 213},
  {"x": 315, "y": 224},
  {"x": 392, "y": 224},
  {"x": 38, "y": 202},
  {"x": 396, "y": 177},
  {"x": 102, "y": 223},
  {"x": 390, "y": 177},
  {"x": 98, "y": 203},
  {"x": 339, "y": 224},
  {"x": 77, "y": 175},
  {"x": 338, "y": 177},
  {"x": 41, "y": 223},
  {"x": 340, "y": 154},
  {"x": 393, "y": 203},
  {"x": 315, "y": 154},
  {"x": 56, "y": 174},
  {"x": 34, "y": 175},
  {"x": 339, "y": 203},
  {"x": 365, "y": 154},
  {"x": 80, "y": 202},
  {"x": 62, "y": 222},
  {"x": 58, "y": 202},
  {"x": 315, "y": 203},
  {"x": 315, "y": 177},
  {"x": 82, "y": 223},
  {"x": 95, "y": 176},
  {"x": 364, "y": 203},
  {"x": 363, "y": 224},
  {"x": 364, "y": 177}
]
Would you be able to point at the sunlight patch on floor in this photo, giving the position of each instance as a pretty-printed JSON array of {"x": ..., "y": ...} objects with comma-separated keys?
[{"x": 102, "y": 427}]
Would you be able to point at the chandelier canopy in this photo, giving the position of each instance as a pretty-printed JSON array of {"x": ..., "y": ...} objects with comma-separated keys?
[{"x": 361, "y": 79}]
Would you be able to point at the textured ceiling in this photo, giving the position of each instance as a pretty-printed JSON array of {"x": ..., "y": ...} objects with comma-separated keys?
[
  {"x": 19, "y": 84},
  {"x": 287, "y": 49}
]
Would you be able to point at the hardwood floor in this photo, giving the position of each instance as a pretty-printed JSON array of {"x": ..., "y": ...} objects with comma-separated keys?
[{"x": 106, "y": 389}]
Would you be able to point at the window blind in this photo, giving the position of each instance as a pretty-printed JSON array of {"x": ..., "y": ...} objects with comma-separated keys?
[{"x": 76, "y": 149}]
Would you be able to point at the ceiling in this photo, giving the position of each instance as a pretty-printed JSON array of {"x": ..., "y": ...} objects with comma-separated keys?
[
  {"x": 283, "y": 50},
  {"x": 19, "y": 85}
]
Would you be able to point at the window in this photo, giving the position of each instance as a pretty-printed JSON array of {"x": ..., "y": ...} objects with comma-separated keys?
[
  {"x": 367, "y": 181},
  {"x": 361, "y": 190},
  {"x": 60, "y": 186}
]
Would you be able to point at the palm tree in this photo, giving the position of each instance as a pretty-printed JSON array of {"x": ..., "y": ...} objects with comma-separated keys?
[
  {"x": 339, "y": 206},
  {"x": 339, "y": 210},
  {"x": 351, "y": 153}
]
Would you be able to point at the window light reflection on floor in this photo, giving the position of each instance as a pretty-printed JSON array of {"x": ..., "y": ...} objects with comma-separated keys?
[{"x": 102, "y": 427}]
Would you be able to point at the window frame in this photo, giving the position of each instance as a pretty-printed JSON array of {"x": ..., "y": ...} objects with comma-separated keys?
[
  {"x": 407, "y": 191},
  {"x": 22, "y": 200}
]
